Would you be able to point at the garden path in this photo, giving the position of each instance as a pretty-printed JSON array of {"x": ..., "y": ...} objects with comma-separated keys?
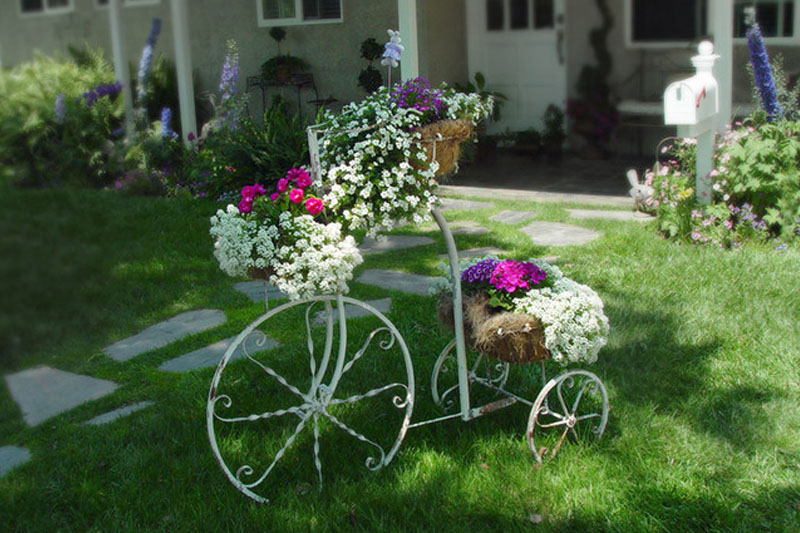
[{"x": 44, "y": 392}]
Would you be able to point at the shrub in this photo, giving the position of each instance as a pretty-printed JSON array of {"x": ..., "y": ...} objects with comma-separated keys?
[
  {"x": 40, "y": 148},
  {"x": 229, "y": 159}
]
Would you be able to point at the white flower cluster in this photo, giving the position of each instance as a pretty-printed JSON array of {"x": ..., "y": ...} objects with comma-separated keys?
[
  {"x": 575, "y": 326},
  {"x": 372, "y": 167},
  {"x": 306, "y": 257},
  {"x": 318, "y": 260}
]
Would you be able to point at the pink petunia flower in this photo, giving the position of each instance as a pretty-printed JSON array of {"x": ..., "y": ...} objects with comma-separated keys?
[
  {"x": 245, "y": 206},
  {"x": 248, "y": 193},
  {"x": 303, "y": 180},
  {"x": 259, "y": 189},
  {"x": 296, "y": 196},
  {"x": 274, "y": 196},
  {"x": 296, "y": 174},
  {"x": 314, "y": 206},
  {"x": 283, "y": 184}
]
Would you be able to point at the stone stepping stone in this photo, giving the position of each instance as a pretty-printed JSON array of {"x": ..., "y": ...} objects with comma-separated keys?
[
  {"x": 211, "y": 355},
  {"x": 610, "y": 214},
  {"x": 475, "y": 252},
  {"x": 43, "y": 392},
  {"x": 116, "y": 414},
  {"x": 453, "y": 204},
  {"x": 397, "y": 281},
  {"x": 512, "y": 217},
  {"x": 558, "y": 234},
  {"x": 461, "y": 227},
  {"x": 11, "y": 457},
  {"x": 163, "y": 333},
  {"x": 392, "y": 242},
  {"x": 384, "y": 305},
  {"x": 255, "y": 290}
]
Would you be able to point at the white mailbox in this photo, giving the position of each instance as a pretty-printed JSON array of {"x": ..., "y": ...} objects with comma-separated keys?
[
  {"x": 694, "y": 100},
  {"x": 692, "y": 105}
]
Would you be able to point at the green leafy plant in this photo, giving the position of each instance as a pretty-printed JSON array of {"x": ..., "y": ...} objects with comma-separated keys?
[
  {"x": 230, "y": 159},
  {"x": 553, "y": 136},
  {"x": 56, "y": 121},
  {"x": 370, "y": 78},
  {"x": 281, "y": 67},
  {"x": 478, "y": 85}
]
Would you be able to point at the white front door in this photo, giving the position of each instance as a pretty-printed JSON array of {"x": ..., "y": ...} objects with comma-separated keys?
[{"x": 519, "y": 46}]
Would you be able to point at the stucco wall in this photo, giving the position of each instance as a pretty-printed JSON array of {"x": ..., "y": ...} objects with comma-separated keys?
[
  {"x": 332, "y": 50},
  {"x": 442, "y": 41}
]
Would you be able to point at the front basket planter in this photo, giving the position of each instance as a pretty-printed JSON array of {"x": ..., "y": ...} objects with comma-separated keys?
[
  {"x": 442, "y": 142},
  {"x": 509, "y": 337}
]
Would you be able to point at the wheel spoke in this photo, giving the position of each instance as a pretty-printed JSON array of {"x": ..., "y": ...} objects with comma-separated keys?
[
  {"x": 299, "y": 410},
  {"x": 370, "y": 394},
  {"x": 370, "y": 462},
  {"x": 247, "y": 470}
]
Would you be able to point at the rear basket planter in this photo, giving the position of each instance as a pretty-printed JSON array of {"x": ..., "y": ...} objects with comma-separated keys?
[
  {"x": 442, "y": 142},
  {"x": 505, "y": 336}
]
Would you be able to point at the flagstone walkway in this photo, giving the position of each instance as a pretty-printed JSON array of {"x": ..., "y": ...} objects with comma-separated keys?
[{"x": 43, "y": 392}]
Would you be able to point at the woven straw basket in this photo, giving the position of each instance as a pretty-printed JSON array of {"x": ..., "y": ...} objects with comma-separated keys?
[
  {"x": 509, "y": 337},
  {"x": 442, "y": 140}
]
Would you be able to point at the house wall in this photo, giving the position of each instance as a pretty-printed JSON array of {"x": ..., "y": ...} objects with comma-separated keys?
[
  {"x": 442, "y": 41},
  {"x": 332, "y": 50}
]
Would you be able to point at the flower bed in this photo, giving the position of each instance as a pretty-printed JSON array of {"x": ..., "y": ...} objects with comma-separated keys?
[{"x": 522, "y": 312}]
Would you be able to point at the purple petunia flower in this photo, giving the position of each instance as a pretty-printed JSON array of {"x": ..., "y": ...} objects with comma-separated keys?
[
  {"x": 479, "y": 272},
  {"x": 512, "y": 275}
]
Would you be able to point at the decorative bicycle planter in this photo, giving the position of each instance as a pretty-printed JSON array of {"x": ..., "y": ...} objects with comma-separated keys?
[{"x": 334, "y": 391}]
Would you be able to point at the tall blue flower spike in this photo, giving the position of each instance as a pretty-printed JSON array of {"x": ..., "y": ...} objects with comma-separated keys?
[{"x": 762, "y": 72}]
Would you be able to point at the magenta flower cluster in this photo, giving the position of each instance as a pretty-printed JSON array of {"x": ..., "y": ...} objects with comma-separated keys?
[
  {"x": 507, "y": 276},
  {"x": 418, "y": 94},
  {"x": 293, "y": 186}
]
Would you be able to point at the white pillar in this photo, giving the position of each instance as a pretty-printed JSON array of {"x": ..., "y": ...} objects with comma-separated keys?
[
  {"x": 121, "y": 71},
  {"x": 720, "y": 15},
  {"x": 183, "y": 67},
  {"x": 407, "y": 26}
]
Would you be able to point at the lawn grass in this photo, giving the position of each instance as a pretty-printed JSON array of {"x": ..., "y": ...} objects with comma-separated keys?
[{"x": 702, "y": 370}]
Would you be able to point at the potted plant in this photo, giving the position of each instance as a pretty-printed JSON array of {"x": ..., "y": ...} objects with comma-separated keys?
[
  {"x": 525, "y": 311},
  {"x": 280, "y": 68},
  {"x": 370, "y": 78}
]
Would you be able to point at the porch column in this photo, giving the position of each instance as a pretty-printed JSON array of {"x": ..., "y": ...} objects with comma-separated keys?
[
  {"x": 407, "y": 26},
  {"x": 121, "y": 71},
  {"x": 183, "y": 67},
  {"x": 720, "y": 15}
]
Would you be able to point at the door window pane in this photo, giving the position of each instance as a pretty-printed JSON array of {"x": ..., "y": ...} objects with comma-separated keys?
[
  {"x": 788, "y": 19},
  {"x": 519, "y": 14},
  {"x": 57, "y": 3},
  {"x": 30, "y": 6},
  {"x": 543, "y": 14},
  {"x": 494, "y": 15}
]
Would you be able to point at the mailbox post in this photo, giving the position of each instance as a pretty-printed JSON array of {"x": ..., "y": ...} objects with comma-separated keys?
[{"x": 692, "y": 105}]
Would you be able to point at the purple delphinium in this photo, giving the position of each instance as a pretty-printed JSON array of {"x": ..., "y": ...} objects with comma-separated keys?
[
  {"x": 479, "y": 272},
  {"x": 60, "y": 109},
  {"x": 762, "y": 72},
  {"x": 418, "y": 94},
  {"x": 512, "y": 275},
  {"x": 166, "y": 127},
  {"x": 146, "y": 60},
  {"x": 230, "y": 73},
  {"x": 104, "y": 89}
]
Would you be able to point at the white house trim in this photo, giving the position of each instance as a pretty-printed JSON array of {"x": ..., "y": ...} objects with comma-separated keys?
[
  {"x": 407, "y": 26},
  {"x": 183, "y": 67},
  {"x": 121, "y": 71},
  {"x": 720, "y": 17}
]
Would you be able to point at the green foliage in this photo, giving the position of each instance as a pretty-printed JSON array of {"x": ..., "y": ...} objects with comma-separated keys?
[
  {"x": 479, "y": 86},
  {"x": 759, "y": 165},
  {"x": 229, "y": 159},
  {"x": 370, "y": 79},
  {"x": 36, "y": 150},
  {"x": 371, "y": 49},
  {"x": 553, "y": 135}
]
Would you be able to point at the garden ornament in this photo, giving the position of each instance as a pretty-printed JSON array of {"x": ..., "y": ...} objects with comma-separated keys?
[{"x": 640, "y": 192}]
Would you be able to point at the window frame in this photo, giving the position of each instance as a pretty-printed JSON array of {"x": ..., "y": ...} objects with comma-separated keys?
[
  {"x": 778, "y": 41},
  {"x": 45, "y": 11},
  {"x": 128, "y": 3},
  {"x": 793, "y": 40},
  {"x": 630, "y": 43},
  {"x": 297, "y": 20}
]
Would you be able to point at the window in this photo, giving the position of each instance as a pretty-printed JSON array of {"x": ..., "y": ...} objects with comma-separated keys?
[
  {"x": 522, "y": 14},
  {"x": 665, "y": 22},
  {"x": 42, "y": 7},
  {"x": 775, "y": 17},
  {"x": 129, "y": 3},
  {"x": 288, "y": 12}
]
